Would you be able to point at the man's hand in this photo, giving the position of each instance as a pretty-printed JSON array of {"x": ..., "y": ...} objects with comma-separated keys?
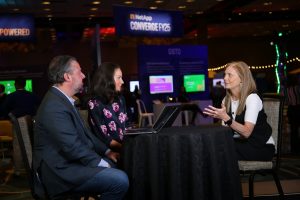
[
  {"x": 115, "y": 144},
  {"x": 114, "y": 156}
]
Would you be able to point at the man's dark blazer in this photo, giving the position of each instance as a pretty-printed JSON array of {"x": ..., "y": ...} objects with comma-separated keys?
[{"x": 65, "y": 152}]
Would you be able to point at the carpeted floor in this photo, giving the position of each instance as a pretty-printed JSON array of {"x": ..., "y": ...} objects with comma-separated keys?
[
  {"x": 286, "y": 197},
  {"x": 264, "y": 187}
]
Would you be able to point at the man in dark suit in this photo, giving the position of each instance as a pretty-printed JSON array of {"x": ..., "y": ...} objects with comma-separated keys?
[
  {"x": 20, "y": 102},
  {"x": 67, "y": 156}
]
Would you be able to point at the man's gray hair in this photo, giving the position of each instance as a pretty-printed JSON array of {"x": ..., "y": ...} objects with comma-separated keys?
[{"x": 58, "y": 66}]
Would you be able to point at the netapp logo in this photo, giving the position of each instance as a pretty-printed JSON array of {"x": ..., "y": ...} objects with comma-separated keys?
[{"x": 140, "y": 17}]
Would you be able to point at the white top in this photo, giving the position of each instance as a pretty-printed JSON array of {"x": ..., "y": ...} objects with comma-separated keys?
[{"x": 254, "y": 105}]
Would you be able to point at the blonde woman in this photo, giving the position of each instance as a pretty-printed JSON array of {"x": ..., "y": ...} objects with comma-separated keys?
[{"x": 242, "y": 110}]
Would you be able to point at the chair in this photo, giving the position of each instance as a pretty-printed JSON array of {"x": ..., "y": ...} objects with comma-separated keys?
[
  {"x": 186, "y": 115},
  {"x": 143, "y": 114},
  {"x": 273, "y": 106},
  {"x": 6, "y": 138},
  {"x": 23, "y": 127}
]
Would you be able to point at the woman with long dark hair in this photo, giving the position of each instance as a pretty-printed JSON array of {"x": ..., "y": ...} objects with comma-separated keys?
[{"x": 107, "y": 110}]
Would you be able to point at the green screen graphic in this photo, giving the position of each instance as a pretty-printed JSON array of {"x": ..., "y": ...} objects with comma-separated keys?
[
  {"x": 194, "y": 83},
  {"x": 10, "y": 86}
]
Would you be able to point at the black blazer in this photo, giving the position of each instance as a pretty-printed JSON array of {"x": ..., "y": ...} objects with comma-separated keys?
[{"x": 65, "y": 152}]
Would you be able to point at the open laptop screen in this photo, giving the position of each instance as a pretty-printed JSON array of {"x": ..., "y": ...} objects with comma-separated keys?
[{"x": 166, "y": 117}]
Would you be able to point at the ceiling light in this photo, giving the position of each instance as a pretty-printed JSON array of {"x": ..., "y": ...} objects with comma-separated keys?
[
  {"x": 199, "y": 12},
  {"x": 128, "y": 2},
  {"x": 284, "y": 9},
  {"x": 16, "y": 9},
  {"x": 219, "y": 0},
  {"x": 94, "y": 9},
  {"x": 46, "y": 2},
  {"x": 159, "y": 2},
  {"x": 96, "y": 2},
  {"x": 181, "y": 7},
  {"x": 190, "y": 1},
  {"x": 152, "y": 7},
  {"x": 47, "y": 9},
  {"x": 268, "y": 3}
]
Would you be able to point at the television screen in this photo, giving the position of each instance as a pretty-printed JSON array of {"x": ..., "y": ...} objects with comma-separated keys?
[
  {"x": 132, "y": 85},
  {"x": 194, "y": 82},
  {"x": 161, "y": 84},
  {"x": 215, "y": 80},
  {"x": 10, "y": 86}
]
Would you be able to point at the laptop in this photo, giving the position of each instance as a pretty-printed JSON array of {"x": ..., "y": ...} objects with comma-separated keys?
[{"x": 165, "y": 119}]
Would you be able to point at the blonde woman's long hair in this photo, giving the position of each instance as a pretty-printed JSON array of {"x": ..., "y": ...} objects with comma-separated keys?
[{"x": 247, "y": 85}]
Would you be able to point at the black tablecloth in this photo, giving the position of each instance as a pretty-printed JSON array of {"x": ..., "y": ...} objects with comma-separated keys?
[{"x": 182, "y": 163}]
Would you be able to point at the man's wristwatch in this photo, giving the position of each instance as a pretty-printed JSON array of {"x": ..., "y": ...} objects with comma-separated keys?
[{"x": 228, "y": 122}]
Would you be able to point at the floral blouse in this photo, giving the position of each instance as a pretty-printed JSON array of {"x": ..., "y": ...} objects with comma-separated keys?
[{"x": 107, "y": 121}]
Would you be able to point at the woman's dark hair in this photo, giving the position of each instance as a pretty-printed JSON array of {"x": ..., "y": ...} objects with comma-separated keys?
[
  {"x": 58, "y": 66},
  {"x": 103, "y": 83}
]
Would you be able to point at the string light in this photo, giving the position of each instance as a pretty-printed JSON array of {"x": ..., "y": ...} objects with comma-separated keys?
[{"x": 296, "y": 59}]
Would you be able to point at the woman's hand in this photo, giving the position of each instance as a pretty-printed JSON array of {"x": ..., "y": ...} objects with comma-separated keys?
[
  {"x": 219, "y": 113},
  {"x": 244, "y": 130}
]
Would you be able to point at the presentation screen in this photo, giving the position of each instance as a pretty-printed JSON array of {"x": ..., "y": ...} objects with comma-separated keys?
[
  {"x": 132, "y": 21},
  {"x": 161, "y": 84},
  {"x": 194, "y": 82},
  {"x": 132, "y": 85},
  {"x": 10, "y": 85}
]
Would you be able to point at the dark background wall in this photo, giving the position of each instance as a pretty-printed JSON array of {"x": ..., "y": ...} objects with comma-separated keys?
[{"x": 31, "y": 59}]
